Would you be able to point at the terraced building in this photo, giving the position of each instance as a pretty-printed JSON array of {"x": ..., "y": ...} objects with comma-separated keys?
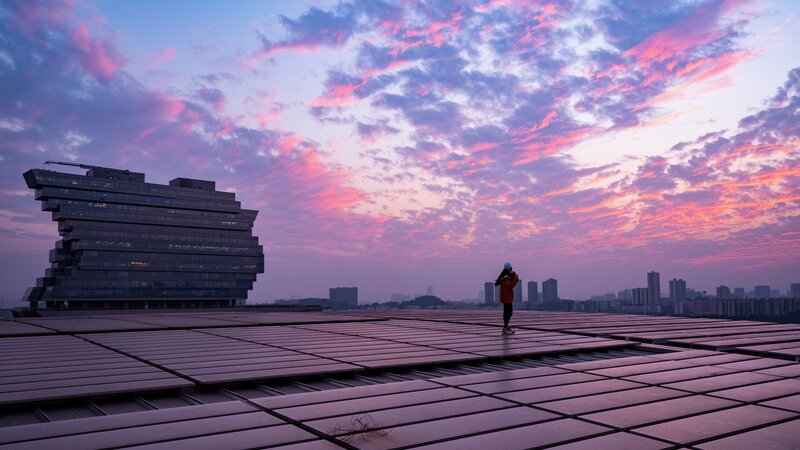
[{"x": 130, "y": 244}]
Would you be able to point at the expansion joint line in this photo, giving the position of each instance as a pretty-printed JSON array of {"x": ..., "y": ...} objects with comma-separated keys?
[
  {"x": 137, "y": 358},
  {"x": 280, "y": 347},
  {"x": 295, "y": 422}
]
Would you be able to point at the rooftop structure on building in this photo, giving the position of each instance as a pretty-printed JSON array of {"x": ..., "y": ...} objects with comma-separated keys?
[
  {"x": 390, "y": 379},
  {"x": 127, "y": 244}
]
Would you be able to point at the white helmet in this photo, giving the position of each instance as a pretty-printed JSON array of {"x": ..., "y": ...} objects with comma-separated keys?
[{"x": 507, "y": 265}]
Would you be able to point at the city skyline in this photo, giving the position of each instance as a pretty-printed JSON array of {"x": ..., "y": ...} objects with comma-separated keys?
[{"x": 392, "y": 146}]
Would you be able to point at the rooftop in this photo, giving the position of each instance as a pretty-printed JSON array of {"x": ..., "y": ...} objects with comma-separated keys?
[{"x": 444, "y": 379}]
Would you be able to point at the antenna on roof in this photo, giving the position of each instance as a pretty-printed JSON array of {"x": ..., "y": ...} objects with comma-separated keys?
[
  {"x": 84, "y": 166},
  {"x": 60, "y": 163}
]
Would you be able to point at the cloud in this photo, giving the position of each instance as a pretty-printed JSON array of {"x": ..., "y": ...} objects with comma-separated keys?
[
  {"x": 119, "y": 122},
  {"x": 213, "y": 97},
  {"x": 454, "y": 124},
  {"x": 319, "y": 28},
  {"x": 721, "y": 187},
  {"x": 156, "y": 59},
  {"x": 55, "y": 26}
]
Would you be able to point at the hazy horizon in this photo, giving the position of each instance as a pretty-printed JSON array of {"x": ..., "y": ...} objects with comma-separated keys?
[{"x": 393, "y": 145}]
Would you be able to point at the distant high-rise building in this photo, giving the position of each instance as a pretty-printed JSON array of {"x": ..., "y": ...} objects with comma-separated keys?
[
  {"x": 794, "y": 290},
  {"x": 653, "y": 288},
  {"x": 640, "y": 296},
  {"x": 625, "y": 294},
  {"x": 762, "y": 291},
  {"x": 775, "y": 293},
  {"x": 533, "y": 292},
  {"x": 738, "y": 292},
  {"x": 129, "y": 244},
  {"x": 429, "y": 290},
  {"x": 723, "y": 292},
  {"x": 488, "y": 293},
  {"x": 550, "y": 290},
  {"x": 518, "y": 292},
  {"x": 344, "y": 297},
  {"x": 677, "y": 289}
]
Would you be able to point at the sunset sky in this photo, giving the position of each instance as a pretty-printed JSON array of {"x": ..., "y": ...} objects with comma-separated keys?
[{"x": 393, "y": 145}]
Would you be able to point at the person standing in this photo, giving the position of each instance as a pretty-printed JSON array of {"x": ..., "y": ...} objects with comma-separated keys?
[{"x": 507, "y": 280}]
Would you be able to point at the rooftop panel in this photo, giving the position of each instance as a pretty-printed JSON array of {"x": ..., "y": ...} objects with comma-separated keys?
[
  {"x": 444, "y": 379},
  {"x": 714, "y": 424},
  {"x": 659, "y": 411},
  {"x": 16, "y": 328},
  {"x": 536, "y": 435},
  {"x": 783, "y": 435},
  {"x": 53, "y": 367},
  {"x": 88, "y": 324},
  {"x": 209, "y": 358}
]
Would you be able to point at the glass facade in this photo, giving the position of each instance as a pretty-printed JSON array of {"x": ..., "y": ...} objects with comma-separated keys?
[{"x": 130, "y": 244}]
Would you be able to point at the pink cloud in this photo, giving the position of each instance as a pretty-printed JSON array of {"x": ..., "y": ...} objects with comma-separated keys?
[
  {"x": 95, "y": 55},
  {"x": 213, "y": 97},
  {"x": 338, "y": 94},
  {"x": 436, "y": 32},
  {"x": 483, "y": 175},
  {"x": 697, "y": 29},
  {"x": 97, "y": 58},
  {"x": 171, "y": 107},
  {"x": 156, "y": 59}
]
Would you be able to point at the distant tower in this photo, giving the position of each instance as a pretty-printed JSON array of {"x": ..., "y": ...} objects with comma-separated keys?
[
  {"x": 762, "y": 291},
  {"x": 518, "y": 292},
  {"x": 429, "y": 290},
  {"x": 653, "y": 288},
  {"x": 723, "y": 292},
  {"x": 640, "y": 296},
  {"x": 738, "y": 292},
  {"x": 794, "y": 290},
  {"x": 677, "y": 289},
  {"x": 550, "y": 290},
  {"x": 488, "y": 293},
  {"x": 533, "y": 292}
]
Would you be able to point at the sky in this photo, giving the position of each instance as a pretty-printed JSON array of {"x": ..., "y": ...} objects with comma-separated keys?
[{"x": 395, "y": 145}]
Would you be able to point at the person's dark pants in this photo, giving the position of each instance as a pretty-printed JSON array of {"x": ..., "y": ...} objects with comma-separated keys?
[{"x": 508, "y": 309}]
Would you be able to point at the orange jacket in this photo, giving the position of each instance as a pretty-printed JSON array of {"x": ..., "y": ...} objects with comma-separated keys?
[{"x": 507, "y": 288}]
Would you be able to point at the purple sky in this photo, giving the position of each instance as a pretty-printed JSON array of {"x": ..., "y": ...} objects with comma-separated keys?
[{"x": 391, "y": 146}]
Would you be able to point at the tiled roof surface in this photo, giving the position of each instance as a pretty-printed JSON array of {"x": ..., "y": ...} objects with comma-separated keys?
[{"x": 374, "y": 380}]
